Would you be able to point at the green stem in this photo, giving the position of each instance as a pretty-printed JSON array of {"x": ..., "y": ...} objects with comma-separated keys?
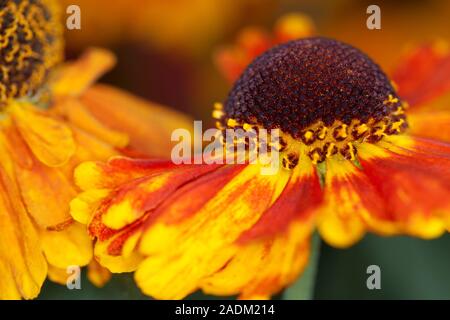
[{"x": 303, "y": 288}]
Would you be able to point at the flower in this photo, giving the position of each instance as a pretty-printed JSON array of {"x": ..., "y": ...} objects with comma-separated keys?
[
  {"x": 51, "y": 119},
  {"x": 354, "y": 160}
]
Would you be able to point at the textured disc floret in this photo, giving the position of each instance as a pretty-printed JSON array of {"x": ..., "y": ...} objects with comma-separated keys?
[
  {"x": 296, "y": 84},
  {"x": 320, "y": 92},
  {"x": 30, "y": 44}
]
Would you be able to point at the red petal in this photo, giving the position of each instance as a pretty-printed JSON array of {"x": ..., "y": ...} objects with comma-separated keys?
[{"x": 424, "y": 74}]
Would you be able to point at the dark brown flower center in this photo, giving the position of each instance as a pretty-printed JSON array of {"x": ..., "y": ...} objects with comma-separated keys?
[
  {"x": 303, "y": 82},
  {"x": 30, "y": 44}
]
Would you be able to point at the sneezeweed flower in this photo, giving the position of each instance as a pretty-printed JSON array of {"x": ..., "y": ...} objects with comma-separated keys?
[
  {"x": 51, "y": 119},
  {"x": 352, "y": 162}
]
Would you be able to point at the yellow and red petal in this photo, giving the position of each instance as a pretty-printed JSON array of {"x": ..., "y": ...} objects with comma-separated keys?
[
  {"x": 260, "y": 269},
  {"x": 207, "y": 237},
  {"x": 414, "y": 184},
  {"x": 424, "y": 74},
  {"x": 297, "y": 203},
  {"x": 351, "y": 206}
]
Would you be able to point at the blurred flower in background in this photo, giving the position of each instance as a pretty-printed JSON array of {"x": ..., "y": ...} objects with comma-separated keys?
[{"x": 51, "y": 119}]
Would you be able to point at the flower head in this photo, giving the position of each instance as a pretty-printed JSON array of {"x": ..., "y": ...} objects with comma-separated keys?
[
  {"x": 49, "y": 124},
  {"x": 350, "y": 164}
]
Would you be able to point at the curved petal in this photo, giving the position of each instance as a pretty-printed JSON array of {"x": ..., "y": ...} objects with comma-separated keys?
[
  {"x": 50, "y": 140},
  {"x": 71, "y": 246},
  {"x": 205, "y": 238},
  {"x": 351, "y": 206},
  {"x": 45, "y": 191},
  {"x": 22, "y": 263},
  {"x": 148, "y": 125},
  {"x": 262, "y": 268},
  {"x": 75, "y": 77},
  {"x": 298, "y": 202},
  {"x": 414, "y": 184}
]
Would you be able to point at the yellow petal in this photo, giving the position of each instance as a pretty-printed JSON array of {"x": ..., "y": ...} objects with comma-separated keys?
[
  {"x": 22, "y": 264},
  {"x": 71, "y": 246},
  {"x": 49, "y": 139},
  {"x": 98, "y": 275},
  {"x": 339, "y": 220}
]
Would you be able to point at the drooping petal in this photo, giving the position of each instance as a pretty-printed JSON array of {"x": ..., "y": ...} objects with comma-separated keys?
[
  {"x": 71, "y": 246},
  {"x": 75, "y": 77},
  {"x": 207, "y": 237},
  {"x": 50, "y": 140},
  {"x": 97, "y": 274},
  {"x": 424, "y": 74},
  {"x": 414, "y": 184},
  {"x": 351, "y": 206},
  {"x": 262, "y": 268},
  {"x": 22, "y": 263},
  {"x": 45, "y": 191},
  {"x": 297, "y": 202},
  {"x": 148, "y": 125},
  {"x": 78, "y": 115}
]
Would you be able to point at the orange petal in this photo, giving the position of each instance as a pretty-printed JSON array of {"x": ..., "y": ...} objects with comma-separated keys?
[
  {"x": 22, "y": 264},
  {"x": 50, "y": 140},
  {"x": 414, "y": 186},
  {"x": 75, "y": 77},
  {"x": 424, "y": 74},
  {"x": 434, "y": 124},
  {"x": 57, "y": 275},
  {"x": 148, "y": 125},
  {"x": 98, "y": 275},
  {"x": 78, "y": 115},
  {"x": 45, "y": 191}
]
